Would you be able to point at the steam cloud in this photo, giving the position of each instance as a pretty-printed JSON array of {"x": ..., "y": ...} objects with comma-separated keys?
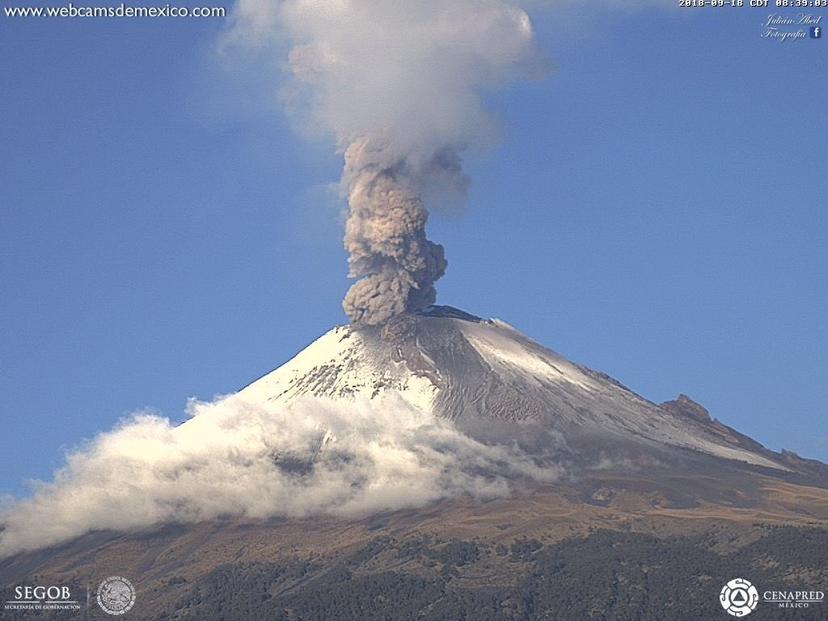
[
  {"x": 399, "y": 85},
  {"x": 237, "y": 458}
]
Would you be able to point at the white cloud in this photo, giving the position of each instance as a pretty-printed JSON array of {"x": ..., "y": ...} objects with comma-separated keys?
[
  {"x": 407, "y": 73},
  {"x": 236, "y": 458}
]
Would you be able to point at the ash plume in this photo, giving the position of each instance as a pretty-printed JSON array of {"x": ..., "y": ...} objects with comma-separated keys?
[
  {"x": 385, "y": 237},
  {"x": 398, "y": 86}
]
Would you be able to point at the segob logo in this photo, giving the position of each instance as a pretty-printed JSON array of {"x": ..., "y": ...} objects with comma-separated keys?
[
  {"x": 116, "y": 595},
  {"x": 739, "y": 597},
  {"x": 52, "y": 597}
]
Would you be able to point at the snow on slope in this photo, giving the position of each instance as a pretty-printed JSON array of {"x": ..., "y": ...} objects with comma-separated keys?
[
  {"x": 500, "y": 345},
  {"x": 612, "y": 407},
  {"x": 454, "y": 365},
  {"x": 341, "y": 364}
]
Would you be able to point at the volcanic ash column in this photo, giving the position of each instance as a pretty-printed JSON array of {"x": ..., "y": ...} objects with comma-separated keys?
[{"x": 385, "y": 236}]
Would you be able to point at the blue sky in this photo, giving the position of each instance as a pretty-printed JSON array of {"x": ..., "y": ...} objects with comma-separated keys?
[{"x": 656, "y": 210}]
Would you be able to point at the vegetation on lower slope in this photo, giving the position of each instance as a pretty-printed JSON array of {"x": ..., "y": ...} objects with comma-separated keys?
[{"x": 605, "y": 575}]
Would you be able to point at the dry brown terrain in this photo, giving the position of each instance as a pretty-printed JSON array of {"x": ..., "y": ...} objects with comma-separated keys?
[{"x": 166, "y": 562}]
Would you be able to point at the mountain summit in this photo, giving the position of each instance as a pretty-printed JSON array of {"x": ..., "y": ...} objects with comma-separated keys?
[{"x": 497, "y": 384}]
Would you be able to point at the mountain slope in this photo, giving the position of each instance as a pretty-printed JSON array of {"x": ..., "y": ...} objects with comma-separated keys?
[{"x": 493, "y": 381}]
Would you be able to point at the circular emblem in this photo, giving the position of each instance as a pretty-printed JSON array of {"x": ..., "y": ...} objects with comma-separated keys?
[
  {"x": 739, "y": 597},
  {"x": 116, "y": 595}
]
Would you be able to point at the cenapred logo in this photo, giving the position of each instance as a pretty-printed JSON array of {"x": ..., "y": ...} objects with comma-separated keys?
[
  {"x": 116, "y": 595},
  {"x": 739, "y": 597}
]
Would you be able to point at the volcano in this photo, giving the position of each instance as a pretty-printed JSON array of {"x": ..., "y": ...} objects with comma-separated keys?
[{"x": 647, "y": 496}]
